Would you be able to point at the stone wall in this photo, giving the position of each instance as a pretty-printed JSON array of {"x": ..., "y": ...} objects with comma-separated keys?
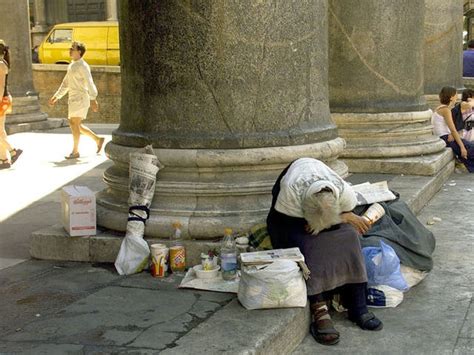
[{"x": 48, "y": 77}]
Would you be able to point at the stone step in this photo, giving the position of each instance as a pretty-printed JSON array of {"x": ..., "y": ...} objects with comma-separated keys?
[
  {"x": 48, "y": 123},
  {"x": 274, "y": 331},
  {"x": 25, "y": 109},
  {"x": 26, "y": 117}
]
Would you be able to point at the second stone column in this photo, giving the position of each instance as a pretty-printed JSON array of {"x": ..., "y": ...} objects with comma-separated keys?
[{"x": 376, "y": 87}]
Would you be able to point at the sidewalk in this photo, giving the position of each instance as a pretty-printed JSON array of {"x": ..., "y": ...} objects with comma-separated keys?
[{"x": 66, "y": 307}]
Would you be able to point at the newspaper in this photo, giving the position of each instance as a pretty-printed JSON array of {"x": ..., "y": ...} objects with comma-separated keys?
[
  {"x": 217, "y": 284},
  {"x": 268, "y": 256},
  {"x": 368, "y": 193},
  {"x": 142, "y": 172},
  {"x": 134, "y": 250}
]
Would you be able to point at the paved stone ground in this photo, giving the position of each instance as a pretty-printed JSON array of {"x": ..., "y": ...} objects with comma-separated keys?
[{"x": 65, "y": 307}]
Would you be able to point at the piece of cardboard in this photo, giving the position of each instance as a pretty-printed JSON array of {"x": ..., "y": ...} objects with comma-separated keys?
[{"x": 78, "y": 207}]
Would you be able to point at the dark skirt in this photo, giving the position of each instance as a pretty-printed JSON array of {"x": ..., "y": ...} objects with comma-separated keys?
[{"x": 333, "y": 256}]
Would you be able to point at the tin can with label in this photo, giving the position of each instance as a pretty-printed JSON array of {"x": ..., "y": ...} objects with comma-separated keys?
[
  {"x": 177, "y": 258},
  {"x": 159, "y": 260}
]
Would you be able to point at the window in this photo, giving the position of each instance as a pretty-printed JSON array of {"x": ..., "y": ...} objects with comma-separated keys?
[{"x": 60, "y": 36}]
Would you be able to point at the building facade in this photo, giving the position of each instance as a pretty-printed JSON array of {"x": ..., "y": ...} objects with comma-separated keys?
[{"x": 44, "y": 14}]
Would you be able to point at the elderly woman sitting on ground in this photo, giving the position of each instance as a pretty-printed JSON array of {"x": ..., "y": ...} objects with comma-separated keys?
[{"x": 311, "y": 209}]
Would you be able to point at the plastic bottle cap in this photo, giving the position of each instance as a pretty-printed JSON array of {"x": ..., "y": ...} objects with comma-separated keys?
[
  {"x": 227, "y": 231},
  {"x": 176, "y": 225}
]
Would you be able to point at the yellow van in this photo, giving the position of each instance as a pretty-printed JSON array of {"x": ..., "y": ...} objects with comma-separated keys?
[{"x": 101, "y": 40}]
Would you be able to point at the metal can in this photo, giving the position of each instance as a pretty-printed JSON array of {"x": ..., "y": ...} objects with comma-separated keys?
[
  {"x": 177, "y": 258},
  {"x": 159, "y": 260}
]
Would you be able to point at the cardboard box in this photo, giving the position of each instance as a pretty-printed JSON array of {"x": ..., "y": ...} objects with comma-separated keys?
[{"x": 78, "y": 210}]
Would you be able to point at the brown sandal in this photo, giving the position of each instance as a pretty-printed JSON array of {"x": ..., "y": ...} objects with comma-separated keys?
[
  {"x": 322, "y": 329},
  {"x": 16, "y": 155},
  {"x": 4, "y": 164},
  {"x": 72, "y": 156},
  {"x": 99, "y": 146}
]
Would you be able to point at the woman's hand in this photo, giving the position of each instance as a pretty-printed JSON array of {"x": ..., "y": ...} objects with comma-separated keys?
[
  {"x": 52, "y": 101},
  {"x": 463, "y": 152},
  {"x": 361, "y": 224},
  {"x": 94, "y": 106}
]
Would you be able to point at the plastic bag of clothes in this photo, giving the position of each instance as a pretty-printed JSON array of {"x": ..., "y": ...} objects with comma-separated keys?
[
  {"x": 383, "y": 267},
  {"x": 276, "y": 285}
]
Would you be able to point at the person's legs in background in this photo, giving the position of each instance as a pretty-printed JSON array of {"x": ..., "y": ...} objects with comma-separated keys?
[
  {"x": 75, "y": 125},
  {"x": 90, "y": 133}
]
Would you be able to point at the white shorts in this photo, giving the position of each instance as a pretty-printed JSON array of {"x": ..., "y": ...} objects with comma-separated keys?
[{"x": 78, "y": 106}]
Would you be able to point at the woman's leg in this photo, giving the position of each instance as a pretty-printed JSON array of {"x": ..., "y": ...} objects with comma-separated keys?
[
  {"x": 322, "y": 328},
  {"x": 4, "y": 145},
  {"x": 75, "y": 125},
  {"x": 469, "y": 162},
  {"x": 354, "y": 297}
]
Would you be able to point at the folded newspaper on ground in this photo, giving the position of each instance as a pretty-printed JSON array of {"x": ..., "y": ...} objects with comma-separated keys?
[
  {"x": 368, "y": 193},
  {"x": 265, "y": 257},
  {"x": 217, "y": 284},
  {"x": 134, "y": 250}
]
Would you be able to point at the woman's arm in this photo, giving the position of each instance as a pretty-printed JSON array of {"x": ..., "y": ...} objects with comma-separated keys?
[
  {"x": 361, "y": 224},
  {"x": 448, "y": 118}
]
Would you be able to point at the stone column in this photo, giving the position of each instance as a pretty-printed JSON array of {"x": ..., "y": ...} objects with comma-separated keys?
[
  {"x": 228, "y": 93},
  {"x": 376, "y": 87},
  {"x": 15, "y": 30},
  {"x": 443, "y": 47},
  {"x": 112, "y": 10},
  {"x": 40, "y": 28},
  {"x": 57, "y": 11}
]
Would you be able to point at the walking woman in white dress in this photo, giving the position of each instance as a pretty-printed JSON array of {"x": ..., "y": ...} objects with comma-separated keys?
[
  {"x": 5, "y": 107},
  {"x": 82, "y": 92}
]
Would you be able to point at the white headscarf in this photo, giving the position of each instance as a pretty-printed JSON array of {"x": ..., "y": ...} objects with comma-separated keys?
[{"x": 305, "y": 178}]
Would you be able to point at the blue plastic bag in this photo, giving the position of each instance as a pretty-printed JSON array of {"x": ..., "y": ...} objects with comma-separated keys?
[{"x": 383, "y": 267}]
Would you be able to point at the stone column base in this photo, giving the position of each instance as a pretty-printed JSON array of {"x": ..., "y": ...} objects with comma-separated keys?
[
  {"x": 27, "y": 116},
  {"x": 206, "y": 189},
  {"x": 433, "y": 101},
  {"x": 399, "y": 142}
]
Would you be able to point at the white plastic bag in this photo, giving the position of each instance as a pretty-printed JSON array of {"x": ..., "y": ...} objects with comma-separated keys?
[
  {"x": 276, "y": 285},
  {"x": 133, "y": 256},
  {"x": 412, "y": 276},
  {"x": 382, "y": 296}
]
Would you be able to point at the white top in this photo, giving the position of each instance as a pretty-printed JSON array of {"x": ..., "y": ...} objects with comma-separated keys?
[
  {"x": 78, "y": 81},
  {"x": 440, "y": 128},
  {"x": 307, "y": 176}
]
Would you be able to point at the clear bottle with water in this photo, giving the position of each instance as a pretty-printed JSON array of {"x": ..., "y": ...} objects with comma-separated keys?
[{"x": 228, "y": 256}]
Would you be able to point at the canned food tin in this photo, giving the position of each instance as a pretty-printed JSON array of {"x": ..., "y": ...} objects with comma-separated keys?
[{"x": 177, "y": 258}]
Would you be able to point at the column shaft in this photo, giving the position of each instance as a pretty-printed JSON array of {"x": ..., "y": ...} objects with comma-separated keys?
[
  {"x": 15, "y": 30},
  {"x": 228, "y": 93},
  {"x": 112, "y": 10},
  {"x": 442, "y": 47}
]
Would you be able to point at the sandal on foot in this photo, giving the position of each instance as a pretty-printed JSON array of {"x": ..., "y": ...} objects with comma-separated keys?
[
  {"x": 368, "y": 321},
  {"x": 4, "y": 164},
  {"x": 72, "y": 156},
  {"x": 325, "y": 336},
  {"x": 322, "y": 329},
  {"x": 100, "y": 144},
  {"x": 15, "y": 154}
]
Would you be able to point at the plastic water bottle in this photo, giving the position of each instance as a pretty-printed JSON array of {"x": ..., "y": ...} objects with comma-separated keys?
[
  {"x": 228, "y": 256},
  {"x": 177, "y": 250}
]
